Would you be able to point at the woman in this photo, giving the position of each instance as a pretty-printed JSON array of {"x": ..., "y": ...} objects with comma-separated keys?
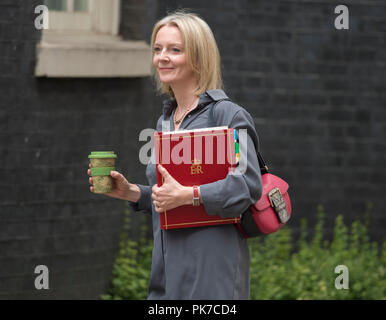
[{"x": 202, "y": 262}]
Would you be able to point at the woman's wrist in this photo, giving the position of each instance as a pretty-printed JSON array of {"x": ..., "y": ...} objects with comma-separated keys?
[
  {"x": 134, "y": 193},
  {"x": 187, "y": 195}
]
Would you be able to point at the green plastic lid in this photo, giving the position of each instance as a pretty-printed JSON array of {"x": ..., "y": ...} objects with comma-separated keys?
[{"x": 102, "y": 154}]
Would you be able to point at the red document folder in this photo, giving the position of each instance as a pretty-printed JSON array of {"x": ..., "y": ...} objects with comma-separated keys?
[{"x": 195, "y": 157}]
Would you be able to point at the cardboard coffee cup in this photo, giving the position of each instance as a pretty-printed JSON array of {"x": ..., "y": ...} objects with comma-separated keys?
[{"x": 102, "y": 163}]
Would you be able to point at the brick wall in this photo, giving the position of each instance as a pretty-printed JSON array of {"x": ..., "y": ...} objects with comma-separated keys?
[
  {"x": 317, "y": 95},
  {"x": 47, "y": 129}
]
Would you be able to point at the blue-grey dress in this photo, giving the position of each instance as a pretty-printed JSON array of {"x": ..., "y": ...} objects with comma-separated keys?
[{"x": 205, "y": 262}]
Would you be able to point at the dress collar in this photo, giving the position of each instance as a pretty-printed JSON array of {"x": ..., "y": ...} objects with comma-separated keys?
[{"x": 205, "y": 98}]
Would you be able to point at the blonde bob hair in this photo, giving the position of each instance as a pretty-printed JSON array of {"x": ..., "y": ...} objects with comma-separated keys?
[{"x": 200, "y": 47}]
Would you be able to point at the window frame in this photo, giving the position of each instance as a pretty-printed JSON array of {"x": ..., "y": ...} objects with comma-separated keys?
[{"x": 98, "y": 52}]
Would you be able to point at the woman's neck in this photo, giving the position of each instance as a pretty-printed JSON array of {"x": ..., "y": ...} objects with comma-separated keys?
[{"x": 185, "y": 97}]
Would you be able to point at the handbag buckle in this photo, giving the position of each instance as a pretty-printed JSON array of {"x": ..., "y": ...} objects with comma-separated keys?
[{"x": 278, "y": 204}]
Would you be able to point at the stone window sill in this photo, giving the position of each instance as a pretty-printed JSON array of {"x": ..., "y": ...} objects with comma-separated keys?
[{"x": 90, "y": 55}]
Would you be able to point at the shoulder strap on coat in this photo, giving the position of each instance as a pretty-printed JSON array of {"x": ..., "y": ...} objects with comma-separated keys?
[
  {"x": 217, "y": 94},
  {"x": 211, "y": 119},
  {"x": 212, "y": 123}
]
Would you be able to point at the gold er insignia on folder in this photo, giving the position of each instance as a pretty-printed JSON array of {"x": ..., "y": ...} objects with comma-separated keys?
[{"x": 196, "y": 168}]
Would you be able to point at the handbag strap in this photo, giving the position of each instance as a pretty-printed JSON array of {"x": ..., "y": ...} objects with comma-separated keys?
[{"x": 212, "y": 123}]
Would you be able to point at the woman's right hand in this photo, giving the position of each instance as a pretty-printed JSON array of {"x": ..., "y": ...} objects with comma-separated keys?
[{"x": 122, "y": 189}]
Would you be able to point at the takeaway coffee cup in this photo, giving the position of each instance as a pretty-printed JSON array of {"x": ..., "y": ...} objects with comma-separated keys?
[{"x": 102, "y": 163}]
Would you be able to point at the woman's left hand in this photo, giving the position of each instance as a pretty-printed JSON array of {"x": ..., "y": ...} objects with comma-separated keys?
[{"x": 170, "y": 195}]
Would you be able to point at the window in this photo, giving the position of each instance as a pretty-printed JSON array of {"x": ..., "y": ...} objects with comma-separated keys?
[
  {"x": 90, "y": 16},
  {"x": 82, "y": 41}
]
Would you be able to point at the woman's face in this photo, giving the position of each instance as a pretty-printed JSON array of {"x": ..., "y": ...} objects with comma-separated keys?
[{"x": 169, "y": 57}]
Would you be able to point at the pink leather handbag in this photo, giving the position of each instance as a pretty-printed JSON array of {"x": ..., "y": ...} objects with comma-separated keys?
[{"x": 272, "y": 210}]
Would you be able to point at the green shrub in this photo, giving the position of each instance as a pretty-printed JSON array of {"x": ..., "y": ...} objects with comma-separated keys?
[
  {"x": 309, "y": 271},
  {"x": 131, "y": 270},
  {"x": 280, "y": 269}
]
